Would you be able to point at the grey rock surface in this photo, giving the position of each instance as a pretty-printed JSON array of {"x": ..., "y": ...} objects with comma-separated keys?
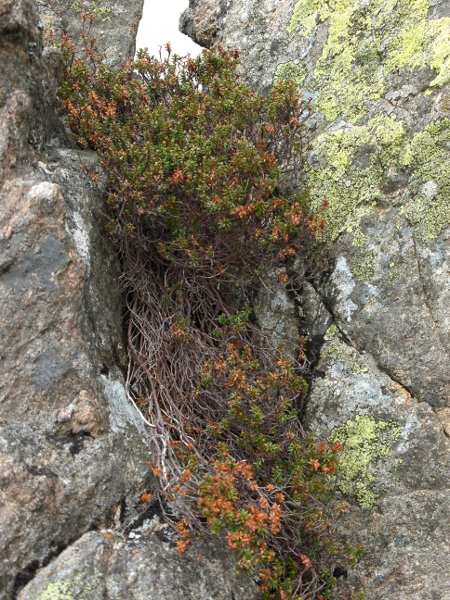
[
  {"x": 276, "y": 313},
  {"x": 395, "y": 481},
  {"x": 73, "y": 453},
  {"x": 106, "y": 565},
  {"x": 115, "y": 25},
  {"x": 201, "y": 21},
  {"x": 376, "y": 75}
]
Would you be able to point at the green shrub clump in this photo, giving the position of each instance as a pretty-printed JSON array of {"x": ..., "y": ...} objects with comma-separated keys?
[{"x": 201, "y": 171}]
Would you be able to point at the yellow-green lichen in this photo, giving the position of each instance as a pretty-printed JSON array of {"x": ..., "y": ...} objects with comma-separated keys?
[
  {"x": 349, "y": 167},
  {"x": 331, "y": 332},
  {"x": 367, "y": 41},
  {"x": 292, "y": 71},
  {"x": 362, "y": 265},
  {"x": 411, "y": 43},
  {"x": 336, "y": 350},
  {"x": 333, "y": 348},
  {"x": 359, "y": 369},
  {"x": 93, "y": 7},
  {"x": 428, "y": 157},
  {"x": 347, "y": 172},
  {"x": 439, "y": 44},
  {"x": 56, "y": 590},
  {"x": 365, "y": 441},
  {"x": 78, "y": 587},
  {"x": 394, "y": 274}
]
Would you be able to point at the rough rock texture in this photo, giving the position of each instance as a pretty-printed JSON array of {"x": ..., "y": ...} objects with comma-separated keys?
[
  {"x": 202, "y": 21},
  {"x": 115, "y": 26},
  {"x": 73, "y": 454},
  {"x": 106, "y": 565},
  {"x": 277, "y": 313},
  {"x": 377, "y": 75}
]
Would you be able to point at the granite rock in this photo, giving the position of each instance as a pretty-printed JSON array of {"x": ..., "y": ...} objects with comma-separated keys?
[
  {"x": 115, "y": 24},
  {"x": 147, "y": 567},
  {"x": 73, "y": 452},
  {"x": 376, "y": 75}
]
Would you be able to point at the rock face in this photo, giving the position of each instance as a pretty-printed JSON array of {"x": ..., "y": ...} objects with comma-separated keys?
[
  {"x": 377, "y": 76},
  {"x": 107, "y": 565},
  {"x": 115, "y": 26},
  {"x": 73, "y": 454}
]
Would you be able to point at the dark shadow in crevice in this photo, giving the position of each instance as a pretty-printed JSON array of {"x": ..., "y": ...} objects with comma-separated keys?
[
  {"x": 340, "y": 572},
  {"x": 56, "y": 548},
  {"x": 29, "y": 572},
  {"x": 75, "y": 441},
  {"x": 152, "y": 510},
  {"x": 24, "y": 577}
]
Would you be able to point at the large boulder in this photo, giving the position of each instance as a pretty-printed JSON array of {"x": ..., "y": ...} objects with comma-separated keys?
[
  {"x": 377, "y": 77},
  {"x": 73, "y": 452},
  {"x": 147, "y": 567}
]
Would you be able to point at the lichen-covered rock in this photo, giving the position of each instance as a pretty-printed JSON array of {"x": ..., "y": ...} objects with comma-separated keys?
[
  {"x": 106, "y": 565},
  {"x": 73, "y": 453},
  {"x": 377, "y": 75},
  {"x": 394, "y": 472}
]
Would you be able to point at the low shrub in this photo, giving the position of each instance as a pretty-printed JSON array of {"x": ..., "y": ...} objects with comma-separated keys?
[{"x": 201, "y": 171}]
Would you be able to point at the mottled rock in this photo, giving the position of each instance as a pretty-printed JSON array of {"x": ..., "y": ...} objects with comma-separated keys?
[
  {"x": 381, "y": 298},
  {"x": 395, "y": 469},
  {"x": 276, "y": 313},
  {"x": 107, "y": 565},
  {"x": 377, "y": 76},
  {"x": 115, "y": 26},
  {"x": 201, "y": 23},
  {"x": 73, "y": 452}
]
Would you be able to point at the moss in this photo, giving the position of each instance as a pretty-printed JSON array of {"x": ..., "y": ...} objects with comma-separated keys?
[
  {"x": 292, "y": 71},
  {"x": 364, "y": 442},
  {"x": 366, "y": 42}
]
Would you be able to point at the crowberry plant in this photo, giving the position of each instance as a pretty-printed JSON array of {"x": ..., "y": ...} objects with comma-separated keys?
[{"x": 205, "y": 188}]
